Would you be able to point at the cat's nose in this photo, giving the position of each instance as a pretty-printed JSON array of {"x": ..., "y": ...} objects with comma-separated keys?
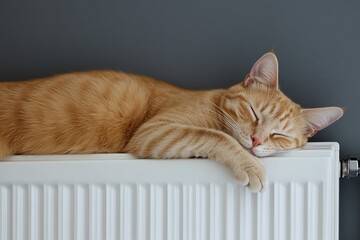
[{"x": 255, "y": 141}]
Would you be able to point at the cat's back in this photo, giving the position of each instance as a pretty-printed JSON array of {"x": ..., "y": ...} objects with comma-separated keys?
[
  {"x": 96, "y": 109},
  {"x": 83, "y": 82},
  {"x": 86, "y": 90}
]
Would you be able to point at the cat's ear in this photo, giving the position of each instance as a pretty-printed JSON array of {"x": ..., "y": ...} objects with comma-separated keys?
[
  {"x": 319, "y": 118},
  {"x": 265, "y": 71}
]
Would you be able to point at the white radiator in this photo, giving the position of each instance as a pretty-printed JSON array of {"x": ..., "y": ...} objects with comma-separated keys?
[{"x": 112, "y": 196}]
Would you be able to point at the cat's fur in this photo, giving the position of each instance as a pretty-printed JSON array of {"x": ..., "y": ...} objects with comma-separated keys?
[{"x": 107, "y": 111}]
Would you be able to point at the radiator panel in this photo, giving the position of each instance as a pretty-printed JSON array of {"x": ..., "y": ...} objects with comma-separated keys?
[{"x": 97, "y": 197}]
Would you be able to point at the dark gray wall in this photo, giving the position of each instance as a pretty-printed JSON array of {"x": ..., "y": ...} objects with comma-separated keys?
[{"x": 201, "y": 44}]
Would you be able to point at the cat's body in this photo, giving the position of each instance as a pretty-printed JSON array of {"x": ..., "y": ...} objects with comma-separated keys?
[
  {"x": 93, "y": 112},
  {"x": 106, "y": 111}
]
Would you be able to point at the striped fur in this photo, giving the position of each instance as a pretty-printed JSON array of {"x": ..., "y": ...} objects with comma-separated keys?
[{"x": 107, "y": 111}]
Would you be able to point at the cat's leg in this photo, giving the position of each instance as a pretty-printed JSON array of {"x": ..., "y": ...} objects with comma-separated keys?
[
  {"x": 5, "y": 149},
  {"x": 159, "y": 140}
]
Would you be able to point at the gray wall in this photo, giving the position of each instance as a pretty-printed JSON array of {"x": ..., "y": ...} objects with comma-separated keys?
[{"x": 201, "y": 44}]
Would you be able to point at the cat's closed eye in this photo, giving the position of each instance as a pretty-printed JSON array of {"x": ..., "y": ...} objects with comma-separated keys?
[
  {"x": 253, "y": 113},
  {"x": 276, "y": 134}
]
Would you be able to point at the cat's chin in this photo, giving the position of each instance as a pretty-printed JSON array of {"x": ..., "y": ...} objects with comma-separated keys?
[{"x": 260, "y": 152}]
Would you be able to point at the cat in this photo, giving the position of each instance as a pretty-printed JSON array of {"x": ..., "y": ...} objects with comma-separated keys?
[{"x": 108, "y": 111}]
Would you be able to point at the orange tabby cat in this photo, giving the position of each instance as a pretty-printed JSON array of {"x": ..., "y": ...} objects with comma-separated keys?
[{"x": 106, "y": 111}]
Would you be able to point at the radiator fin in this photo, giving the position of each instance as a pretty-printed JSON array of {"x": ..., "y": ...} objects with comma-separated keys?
[{"x": 162, "y": 211}]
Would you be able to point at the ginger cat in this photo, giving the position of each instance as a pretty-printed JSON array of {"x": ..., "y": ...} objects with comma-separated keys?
[{"x": 107, "y": 111}]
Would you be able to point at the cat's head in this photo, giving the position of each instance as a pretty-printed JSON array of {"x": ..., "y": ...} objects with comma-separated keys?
[{"x": 263, "y": 120}]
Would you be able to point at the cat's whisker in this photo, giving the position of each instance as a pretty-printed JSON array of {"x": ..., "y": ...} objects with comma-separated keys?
[
  {"x": 231, "y": 124},
  {"x": 227, "y": 123},
  {"x": 218, "y": 113},
  {"x": 228, "y": 116},
  {"x": 220, "y": 110}
]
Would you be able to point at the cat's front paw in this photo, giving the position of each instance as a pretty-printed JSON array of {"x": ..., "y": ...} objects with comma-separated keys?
[{"x": 251, "y": 173}]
